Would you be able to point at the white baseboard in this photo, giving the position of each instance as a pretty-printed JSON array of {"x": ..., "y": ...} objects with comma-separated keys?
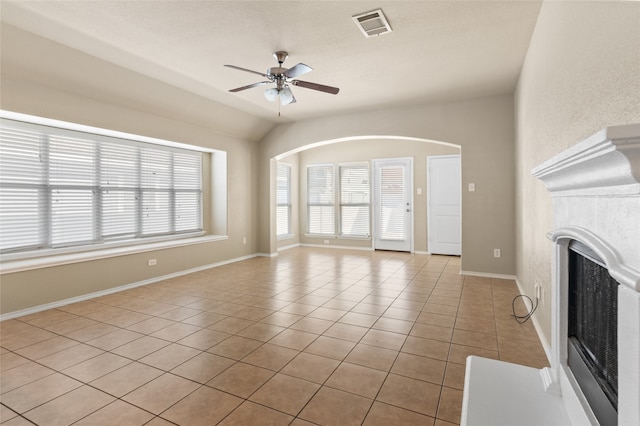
[
  {"x": 421, "y": 252},
  {"x": 488, "y": 275},
  {"x": 536, "y": 325},
  {"x": 274, "y": 254},
  {"x": 288, "y": 247},
  {"x": 84, "y": 297}
]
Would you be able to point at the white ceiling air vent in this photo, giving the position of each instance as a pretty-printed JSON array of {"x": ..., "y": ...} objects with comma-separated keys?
[{"x": 372, "y": 23}]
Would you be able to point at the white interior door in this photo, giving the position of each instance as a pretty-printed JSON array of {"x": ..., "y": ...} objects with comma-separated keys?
[
  {"x": 444, "y": 205},
  {"x": 393, "y": 212}
]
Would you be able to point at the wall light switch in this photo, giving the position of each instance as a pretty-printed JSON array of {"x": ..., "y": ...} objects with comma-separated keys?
[
  {"x": 472, "y": 187},
  {"x": 419, "y": 191}
]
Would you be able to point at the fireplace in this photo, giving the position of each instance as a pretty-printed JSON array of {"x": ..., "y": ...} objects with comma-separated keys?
[
  {"x": 594, "y": 353},
  {"x": 592, "y": 344}
]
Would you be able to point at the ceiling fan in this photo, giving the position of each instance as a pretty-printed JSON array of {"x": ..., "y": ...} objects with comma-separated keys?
[{"x": 283, "y": 78}]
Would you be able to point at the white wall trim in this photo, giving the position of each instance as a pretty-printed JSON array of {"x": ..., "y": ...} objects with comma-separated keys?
[
  {"x": 274, "y": 254},
  {"x": 488, "y": 275},
  {"x": 421, "y": 252},
  {"x": 534, "y": 319},
  {"x": 88, "y": 296},
  {"x": 288, "y": 247}
]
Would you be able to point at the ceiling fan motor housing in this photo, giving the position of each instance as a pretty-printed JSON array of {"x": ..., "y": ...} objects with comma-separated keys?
[
  {"x": 280, "y": 56},
  {"x": 276, "y": 74},
  {"x": 276, "y": 71}
]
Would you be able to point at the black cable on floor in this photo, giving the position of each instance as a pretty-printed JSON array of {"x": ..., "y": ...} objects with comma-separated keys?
[{"x": 523, "y": 318}]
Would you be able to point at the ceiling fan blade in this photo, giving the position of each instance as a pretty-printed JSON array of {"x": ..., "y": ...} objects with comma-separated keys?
[
  {"x": 246, "y": 70},
  {"x": 297, "y": 70},
  {"x": 261, "y": 83},
  {"x": 316, "y": 86}
]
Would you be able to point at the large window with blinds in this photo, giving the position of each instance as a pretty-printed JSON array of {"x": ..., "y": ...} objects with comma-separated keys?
[
  {"x": 61, "y": 188},
  {"x": 283, "y": 196},
  {"x": 338, "y": 200}
]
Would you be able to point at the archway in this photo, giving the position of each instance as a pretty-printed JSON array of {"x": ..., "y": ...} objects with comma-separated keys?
[{"x": 362, "y": 148}]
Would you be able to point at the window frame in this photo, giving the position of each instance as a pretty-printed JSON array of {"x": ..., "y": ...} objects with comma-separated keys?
[
  {"x": 341, "y": 203},
  {"x": 337, "y": 203},
  {"x": 288, "y": 203},
  {"x": 331, "y": 203},
  {"x": 213, "y": 217}
]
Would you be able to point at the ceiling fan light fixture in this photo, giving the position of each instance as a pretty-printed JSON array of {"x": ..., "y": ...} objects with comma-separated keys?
[
  {"x": 286, "y": 96},
  {"x": 271, "y": 94}
]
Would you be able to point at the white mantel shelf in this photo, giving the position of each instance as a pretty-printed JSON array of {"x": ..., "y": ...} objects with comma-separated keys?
[{"x": 607, "y": 163}]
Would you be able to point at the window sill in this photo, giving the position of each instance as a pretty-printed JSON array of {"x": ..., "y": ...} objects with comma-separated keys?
[
  {"x": 46, "y": 261},
  {"x": 338, "y": 237},
  {"x": 285, "y": 237},
  {"x": 331, "y": 236},
  {"x": 354, "y": 237}
]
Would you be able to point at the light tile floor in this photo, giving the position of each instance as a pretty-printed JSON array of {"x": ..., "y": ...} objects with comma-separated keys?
[{"x": 312, "y": 336}]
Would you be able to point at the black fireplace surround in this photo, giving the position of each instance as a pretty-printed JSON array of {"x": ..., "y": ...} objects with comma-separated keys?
[{"x": 592, "y": 330}]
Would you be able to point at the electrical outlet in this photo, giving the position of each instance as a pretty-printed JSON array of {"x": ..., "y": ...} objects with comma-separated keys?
[
  {"x": 496, "y": 253},
  {"x": 472, "y": 187},
  {"x": 539, "y": 293},
  {"x": 244, "y": 240},
  {"x": 152, "y": 262},
  {"x": 326, "y": 241}
]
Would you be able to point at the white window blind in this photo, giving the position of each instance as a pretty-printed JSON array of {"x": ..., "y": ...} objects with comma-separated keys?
[
  {"x": 283, "y": 198},
  {"x": 61, "y": 188},
  {"x": 392, "y": 198},
  {"x": 321, "y": 200},
  {"x": 354, "y": 200}
]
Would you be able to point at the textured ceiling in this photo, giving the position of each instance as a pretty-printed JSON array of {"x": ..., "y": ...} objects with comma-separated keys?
[{"x": 438, "y": 50}]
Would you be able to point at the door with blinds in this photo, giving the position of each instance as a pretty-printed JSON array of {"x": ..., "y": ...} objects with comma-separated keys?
[{"x": 393, "y": 210}]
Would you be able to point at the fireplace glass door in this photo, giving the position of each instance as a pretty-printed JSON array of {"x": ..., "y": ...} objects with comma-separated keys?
[{"x": 592, "y": 331}]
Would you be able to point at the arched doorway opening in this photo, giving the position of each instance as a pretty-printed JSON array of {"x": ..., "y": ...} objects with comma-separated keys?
[{"x": 349, "y": 151}]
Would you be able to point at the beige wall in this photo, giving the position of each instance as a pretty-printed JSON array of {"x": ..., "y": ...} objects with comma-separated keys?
[
  {"x": 53, "y": 95},
  {"x": 368, "y": 150},
  {"x": 581, "y": 74},
  {"x": 484, "y": 128}
]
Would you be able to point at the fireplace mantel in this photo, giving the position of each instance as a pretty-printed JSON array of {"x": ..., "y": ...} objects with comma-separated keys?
[
  {"x": 605, "y": 164},
  {"x": 595, "y": 186}
]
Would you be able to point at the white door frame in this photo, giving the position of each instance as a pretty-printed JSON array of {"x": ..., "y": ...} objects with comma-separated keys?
[
  {"x": 408, "y": 197},
  {"x": 430, "y": 224}
]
